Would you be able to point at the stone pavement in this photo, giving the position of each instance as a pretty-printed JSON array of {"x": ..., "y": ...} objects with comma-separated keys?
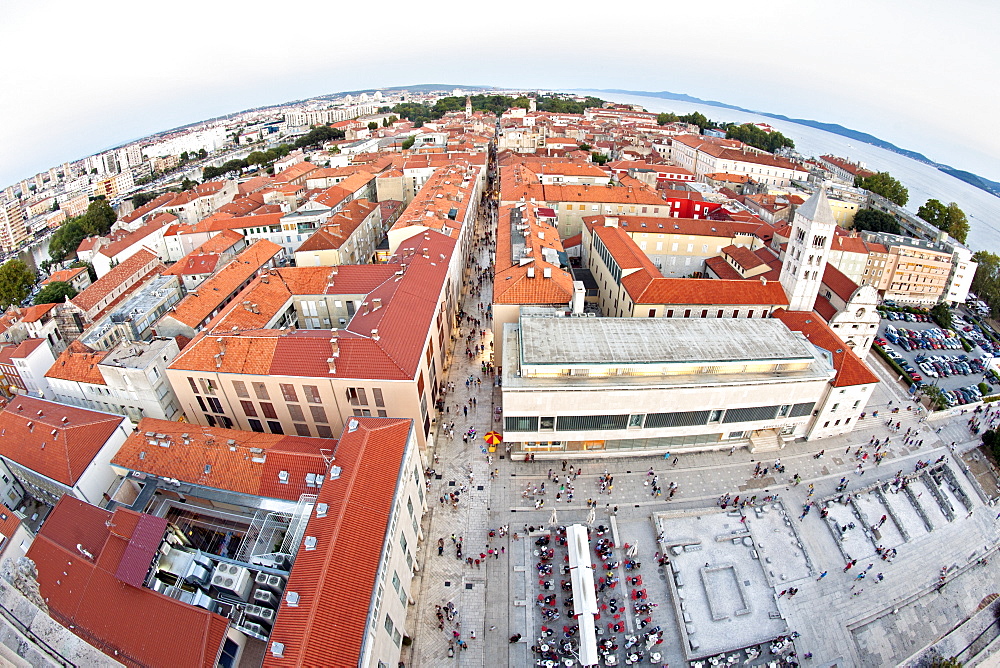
[{"x": 884, "y": 624}]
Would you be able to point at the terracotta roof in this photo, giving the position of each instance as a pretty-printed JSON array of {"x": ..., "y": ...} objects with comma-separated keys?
[
  {"x": 245, "y": 462},
  {"x": 220, "y": 242},
  {"x": 64, "y": 275},
  {"x": 80, "y": 589},
  {"x": 723, "y": 269},
  {"x": 68, "y": 452},
  {"x": 37, "y": 312},
  {"x": 193, "y": 265},
  {"x": 511, "y": 284},
  {"x": 710, "y": 291},
  {"x": 824, "y": 308},
  {"x": 340, "y": 227},
  {"x": 136, "y": 236},
  {"x": 850, "y": 369},
  {"x": 335, "y": 582},
  {"x": 119, "y": 274},
  {"x": 199, "y": 304},
  {"x": 838, "y": 282},
  {"x": 686, "y": 226},
  {"x": 744, "y": 257},
  {"x": 78, "y": 363},
  {"x": 25, "y": 348},
  {"x": 197, "y": 192},
  {"x": 152, "y": 205}
]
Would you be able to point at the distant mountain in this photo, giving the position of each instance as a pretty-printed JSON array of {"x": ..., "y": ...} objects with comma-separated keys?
[{"x": 980, "y": 182}]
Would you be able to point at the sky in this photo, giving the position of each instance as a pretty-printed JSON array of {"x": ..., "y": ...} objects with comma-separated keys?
[{"x": 80, "y": 77}]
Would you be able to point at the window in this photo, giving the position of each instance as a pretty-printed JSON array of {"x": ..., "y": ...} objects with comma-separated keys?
[
  {"x": 215, "y": 404},
  {"x": 275, "y": 427},
  {"x": 312, "y": 394},
  {"x": 302, "y": 429},
  {"x": 255, "y": 425},
  {"x": 241, "y": 389},
  {"x": 670, "y": 313},
  {"x": 295, "y": 411},
  {"x": 261, "y": 391},
  {"x": 715, "y": 416},
  {"x": 207, "y": 386},
  {"x": 547, "y": 424},
  {"x": 268, "y": 410},
  {"x": 382, "y": 413},
  {"x": 377, "y": 394},
  {"x": 388, "y": 624},
  {"x": 687, "y": 313},
  {"x": 635, "y": 420},
  {"x": 704, "y": 313},
  {"x": 835, "y": 407},
  {"x": 318, "y": 413},
  {"x": 356, "y": 396},
  {"x": 652, "y": 313},
  {"x": 210, "y": 419},
  {"x": 248, "y": 408},
  {"x": 519, "y": 423},
  {"x": 322, "y": 430},
  {"x": 226, "y": 422},
  {"x": 201, "y": 403},
  {"x": 288, "y": 392},
  {"x": 194, "y": 385},
  {"x": 362, "y": 412}
]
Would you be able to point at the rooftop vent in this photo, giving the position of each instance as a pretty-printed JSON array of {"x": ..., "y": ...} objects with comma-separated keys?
[
  {"x": 321, "y": 509},
  {"x": 292, "y": 598},
  {"x": 352, "y": 425},
  {"x": 283, "y": 477},
  {"x": 278, "y": 649},
  {"x": 310, "y": 543}
]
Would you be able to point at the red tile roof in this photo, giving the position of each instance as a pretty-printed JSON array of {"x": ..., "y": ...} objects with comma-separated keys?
[
  {"x": 850, "y": 369},
  {"x": 723, "y": 269},
  {"x": 152, "y": 205},
  {"x": 35, "y": 313},
  {"x": 78, "y": 363},
  {"x": 147, "y": 229},
  {"x": 744, "y": 257},
  {"x": 82, "y": 586},
  {"x": 199, "y": 304},
  {"x": 193, "y": 265},
  {"x": 339, "y": 227},
  {"x": 245, "y": 462},
  {"x": 511, "y": 284},
  {"x": 63, "y": 275},
  {"x": 128, "y": 269},
  {"x": 336, "y": 581},
  {"x": 838, "y": 282},
  {"x": 63, "y": 456}
]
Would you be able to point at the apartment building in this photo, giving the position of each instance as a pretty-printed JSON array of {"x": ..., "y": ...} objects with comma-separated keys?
[
  {"x": 129, "y": 379},
  {"x": 349, "y": 237},
  {"x": 706, "y": 155},
  {"x": 303, "y": 349},
  {"x": 13, "y": 228},
  {"x": 23, "y": 366}
]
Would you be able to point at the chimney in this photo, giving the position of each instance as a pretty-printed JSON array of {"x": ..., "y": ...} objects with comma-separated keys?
[
  {"x": 335, "y": 347},
  {"x": 531, "y": 272},
  {"x": 763, "y": 280},
  {"x": 375, "y": 336},
  {"x": 332, "y": 362}
]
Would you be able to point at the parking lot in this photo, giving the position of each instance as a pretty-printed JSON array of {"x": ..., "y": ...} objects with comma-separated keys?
[{"x": 935, "y": 355}]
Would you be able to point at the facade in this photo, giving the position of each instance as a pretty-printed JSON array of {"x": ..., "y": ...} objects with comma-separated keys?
[
  {"x": 54, "y": 449},
  {"x": 349, "y": 237},
  {"x": 706, "y": 155},
  {"x": 24, "y": 365},
  {"x": 593, "y": 385},
  {"x": 348, "y": 591},
  {"x": 808, "y": 249}
]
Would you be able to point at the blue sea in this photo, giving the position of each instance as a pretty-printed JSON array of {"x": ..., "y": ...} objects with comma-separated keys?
[{"x": 923, "y": 181}]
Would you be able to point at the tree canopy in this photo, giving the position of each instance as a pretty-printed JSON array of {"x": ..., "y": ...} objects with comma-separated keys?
[
  {"x": 885, "y": 185},
  {"x": 663, "y": 119},
  {"x": 16, "y": 281},
  {"x": 141, "y": 199},
  {"x": 949, "y": 218},
  {"x": 750, "y": 134},
  {"x": 319, "y": 136},
  {"x": 871, "y": 220},
  {"x": 55, "y": 293},
  {"x": 986, "y": 282},
  {"x": 96, "y": 221},
  {"x": 419, "y": 114}
]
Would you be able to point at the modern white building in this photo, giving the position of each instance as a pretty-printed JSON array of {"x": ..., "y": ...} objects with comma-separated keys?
[{"x": 644, "y": 385}]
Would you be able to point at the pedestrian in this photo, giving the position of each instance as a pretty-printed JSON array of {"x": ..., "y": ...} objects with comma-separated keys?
[{"x": 821, "y": 576}]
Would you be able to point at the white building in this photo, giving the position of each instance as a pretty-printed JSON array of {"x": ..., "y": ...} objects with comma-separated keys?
[{"x": 631, "y": 386}]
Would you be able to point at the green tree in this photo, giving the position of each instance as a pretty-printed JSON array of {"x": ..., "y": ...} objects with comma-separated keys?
[
  {"x": 319, "y": 136},
  {"x": 871, "y": 220},
  {"x": 141, "y": 199},
  {"x": 16, "y": 281},
  {"x": 934, "y": 212},
  {"x": 986, "y": 282},
  {"x": 259, "y": 158},
  {"x": 99, "y": 217},
  {"x": 585, "y": 146},
  {"x": 936, "y": 396},
  {"x": 942, "y": 314},
  {"x": 599, "y": 158},
  {"x": 885, "y": 185},
  {"x": 697, "y": 118},
  {"x": 202, "y": 154},
  {"x": 66, "y": 239},
  {"x": 750, "y": 134},
  {"x": 664, "y": 118},
  {"x": 89, "y": 267},
  {"x": 185, "y": 157},
  {"x": 373, "y": 126},
  {"x": 187, "y": 183},
  {"x": 408, "y": 143},
  {"x": 958, "y": 223},
  {"x": 55, "y": 293}
]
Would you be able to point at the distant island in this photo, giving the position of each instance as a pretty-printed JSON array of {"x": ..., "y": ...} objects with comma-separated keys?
[{"x": 992, "y": 187}]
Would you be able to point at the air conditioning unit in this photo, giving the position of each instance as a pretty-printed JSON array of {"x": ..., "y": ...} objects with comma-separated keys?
[
  {"x": 233, "y": 579},
  {"x": 279, "y": 561},
  {"x": 255, "y": 630},
  {"x": 274, "y": 583},
  {"x": 263, "y": 597}
]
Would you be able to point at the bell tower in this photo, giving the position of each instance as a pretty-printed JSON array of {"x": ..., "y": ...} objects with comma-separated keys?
[{"x": 808, "y": 251}]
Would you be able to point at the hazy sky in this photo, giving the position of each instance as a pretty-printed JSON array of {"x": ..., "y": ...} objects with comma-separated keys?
[{"x": 78, "y": 77}]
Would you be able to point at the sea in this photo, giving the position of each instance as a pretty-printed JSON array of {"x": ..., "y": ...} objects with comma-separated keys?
[{"x": 923, "y": 181}]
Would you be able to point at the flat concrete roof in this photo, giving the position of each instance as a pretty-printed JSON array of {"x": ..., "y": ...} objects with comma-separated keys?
[{"x": 659, "y": 340}]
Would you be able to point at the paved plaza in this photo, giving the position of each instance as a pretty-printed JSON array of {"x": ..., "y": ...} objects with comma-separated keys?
[{"x": 726, "y": 566}]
